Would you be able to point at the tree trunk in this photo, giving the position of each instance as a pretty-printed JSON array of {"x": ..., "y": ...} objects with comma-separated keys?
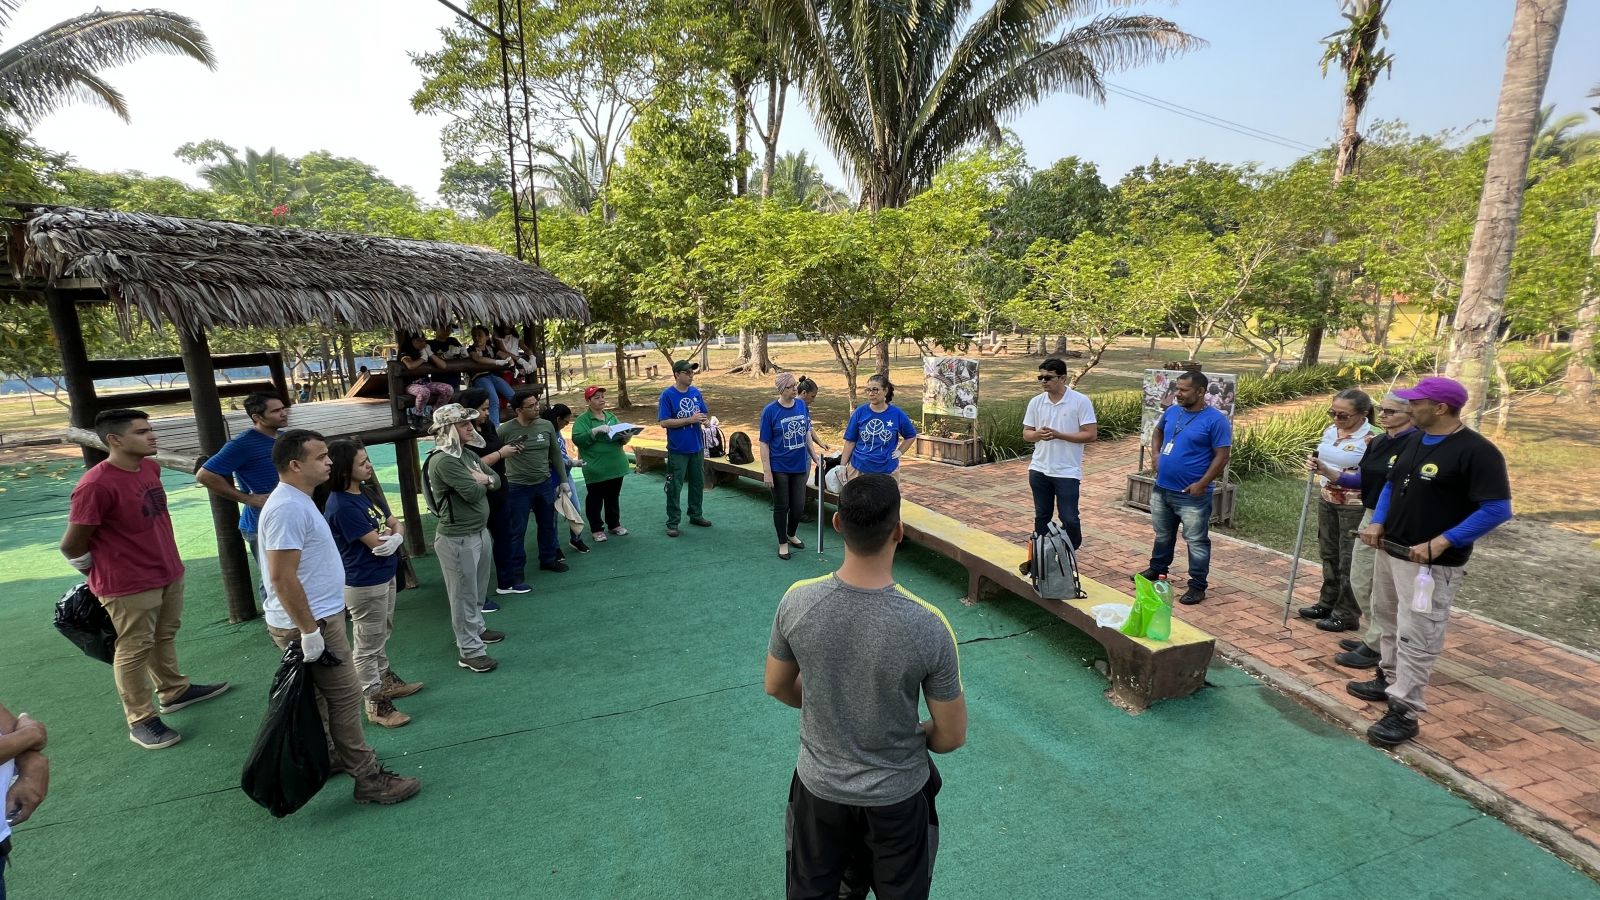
[
  {"x": 1580, "y": 377},
  {"x": 741, "y": 133},
  {"x": 763, "y": 361},
  {"x": 622, "y": 376},
  {"x": 583, "y": 355},
  {"x": 882, "y": 358},
  {"x": 1534, "y": 28},
  {"x": 777, "y": 92}
]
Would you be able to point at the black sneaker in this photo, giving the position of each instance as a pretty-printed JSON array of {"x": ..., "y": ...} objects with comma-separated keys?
[
  {"x": 1317, "y": 611},
  {"x": 1398, "y": 725},
  {"x": 1356, "y": 659},
  {"x": 1374, "y": 691},
  {"x": 579, "y": 545},
  {"x": 478, "y": 664},
  {"x": 1352, "y": 644},
  {"x": 556, "y": 566},
  {"x": 1337, "y": 623},
  {"x": 195, "y": 693},
  {"x": 700, "y": 522},
  {"x": 490, "y": 636},
  {"x": 1149, "y": 575},
  {"x": 1193, "y": 596}
]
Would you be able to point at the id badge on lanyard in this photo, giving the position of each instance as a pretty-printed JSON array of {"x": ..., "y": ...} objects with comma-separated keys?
[{"x": 1166, "y": 449}]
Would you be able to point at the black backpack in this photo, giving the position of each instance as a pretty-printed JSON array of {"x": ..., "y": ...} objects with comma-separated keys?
[{"x": 739, "y": 450}]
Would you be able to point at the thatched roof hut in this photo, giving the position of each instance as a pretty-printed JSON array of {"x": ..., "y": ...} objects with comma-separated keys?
[{"x": 201, "y": 274}]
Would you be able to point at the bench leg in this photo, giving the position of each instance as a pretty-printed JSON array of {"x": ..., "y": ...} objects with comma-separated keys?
[
  {"x": 647, "y": 463},
  {"x": 1135, "y": 684}
]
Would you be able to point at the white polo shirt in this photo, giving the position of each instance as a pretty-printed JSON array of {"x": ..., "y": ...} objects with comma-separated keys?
[{"x": 1059, "y": 459}]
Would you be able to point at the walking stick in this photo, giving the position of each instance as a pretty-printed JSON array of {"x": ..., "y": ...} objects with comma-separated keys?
[
  {"x": 822, "y": 485},
  {"x": 1299, "y": 538}
]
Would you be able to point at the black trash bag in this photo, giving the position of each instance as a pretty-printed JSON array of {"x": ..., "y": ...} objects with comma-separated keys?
[
  {"x": 84, "y": 622},
  {"x": 288, "y": 763}
]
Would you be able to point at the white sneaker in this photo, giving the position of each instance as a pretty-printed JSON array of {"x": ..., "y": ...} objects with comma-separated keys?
[
  {"x": 599, "y": 537},
  {"x": 619, "y": 531}
]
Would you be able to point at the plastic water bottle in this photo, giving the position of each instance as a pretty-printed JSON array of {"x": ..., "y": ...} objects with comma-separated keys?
[
  {"x": 1160, "y": 624},
  {"x": 1422, "y": 590}
]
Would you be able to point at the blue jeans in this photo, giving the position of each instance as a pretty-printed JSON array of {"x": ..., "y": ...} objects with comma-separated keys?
[
  {"x": 1167, "y": 509},
  {"x": 252, "y": 542},
  {"x": 498, "y": 390},
  {"x": 1059, "y": 495},
  {"x": 521, "y": 499}
]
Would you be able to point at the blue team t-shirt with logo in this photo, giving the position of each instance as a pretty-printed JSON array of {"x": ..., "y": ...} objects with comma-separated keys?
[
  {"x": 876, "y": 435},
  {"x": 676, "y": 404},
  {"x": 352, "y": 517},
  {"x": 784, "y": 431},
  {"x": 247, "y": 459},
  {"x": 1188, "y": 442}
]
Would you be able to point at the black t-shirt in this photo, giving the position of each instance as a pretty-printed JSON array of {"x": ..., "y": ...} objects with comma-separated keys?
[
  {"x": 448, "y": 350},
  {"x": 1374, "y": 467},
  {"x": 1432, "y": 489}
]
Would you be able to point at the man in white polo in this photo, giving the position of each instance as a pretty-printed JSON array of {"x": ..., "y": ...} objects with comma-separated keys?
[{"x": 1058, "y": 423}]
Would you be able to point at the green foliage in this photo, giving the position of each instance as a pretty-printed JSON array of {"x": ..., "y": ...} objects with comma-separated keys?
[
  {"x": 1094, "y": 289},
  {"x": 1538, "y": 371},
  {"x": 1278, "y": 445}
]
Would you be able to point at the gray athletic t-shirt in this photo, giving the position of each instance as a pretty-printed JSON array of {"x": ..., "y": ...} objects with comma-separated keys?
[{"x": 863, "y": 657}]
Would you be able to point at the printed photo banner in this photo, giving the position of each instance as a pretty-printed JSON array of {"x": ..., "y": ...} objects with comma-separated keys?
[
  {"x": 950, "y": 387},
  {"x": 1160, "y": 387}
]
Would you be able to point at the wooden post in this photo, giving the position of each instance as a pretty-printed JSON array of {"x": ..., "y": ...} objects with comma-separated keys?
[
  {"x": 213, "y": 433},
  {"x": 279, "y": 378},
  {"x": 406, "y": 459},
  {"x": 74, "y": 367}
]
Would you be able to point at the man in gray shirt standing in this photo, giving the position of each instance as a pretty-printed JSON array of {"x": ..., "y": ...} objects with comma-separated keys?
[{"x": 861, "y": 802}]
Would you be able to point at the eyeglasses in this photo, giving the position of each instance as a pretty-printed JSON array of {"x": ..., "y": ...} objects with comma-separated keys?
[
  {"x": 1341, "y": 416},
  {"x": 874, "y": 390},
  {"x": 1048, "y": 377},
  {"x": 1386, "y": 411}
]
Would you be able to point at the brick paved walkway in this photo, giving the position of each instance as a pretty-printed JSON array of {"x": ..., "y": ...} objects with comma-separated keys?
[{"x": 1508, "y": 711}]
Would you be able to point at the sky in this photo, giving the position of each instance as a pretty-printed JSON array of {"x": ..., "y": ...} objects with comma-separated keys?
[{"x": 304, "y": 75}]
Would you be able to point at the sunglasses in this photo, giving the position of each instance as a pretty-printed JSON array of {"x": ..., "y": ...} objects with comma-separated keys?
[
  {"x": 1048, "y": 377},
  {"x": 1341, "y": 416},
  {"x": 1386, "y": 411}
]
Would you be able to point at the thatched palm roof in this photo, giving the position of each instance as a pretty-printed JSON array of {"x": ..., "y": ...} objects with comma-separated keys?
[{"x": 200, "y": 274}]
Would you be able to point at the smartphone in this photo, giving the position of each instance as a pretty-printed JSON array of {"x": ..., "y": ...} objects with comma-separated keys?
[{"x": 519, "y": 442}]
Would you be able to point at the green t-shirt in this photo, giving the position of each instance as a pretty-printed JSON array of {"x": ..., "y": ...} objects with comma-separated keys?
[
  {"x": 540, "y": 456},
  {"x": 460, "y": 502},
  {"x": 603, "y": 458}
]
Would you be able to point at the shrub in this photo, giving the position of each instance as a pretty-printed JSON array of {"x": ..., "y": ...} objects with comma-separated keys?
[{"x": 1277, "y": 446}]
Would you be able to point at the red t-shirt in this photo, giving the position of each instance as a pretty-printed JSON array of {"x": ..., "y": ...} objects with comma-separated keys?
[{"x": 133, "y": 545}]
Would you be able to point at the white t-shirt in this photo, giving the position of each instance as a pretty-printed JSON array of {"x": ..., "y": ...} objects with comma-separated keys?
[
  {"x": 8, "y": 774},
  {"x": 290, "y": 521},
  {"x": 1058, "y": 458}
]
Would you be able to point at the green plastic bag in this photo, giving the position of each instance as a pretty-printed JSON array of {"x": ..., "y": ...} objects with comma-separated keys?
[{"x": 1151, "y": 617}]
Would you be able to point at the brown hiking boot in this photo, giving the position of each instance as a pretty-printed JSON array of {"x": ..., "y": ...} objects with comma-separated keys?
[
  {"x": 394, "y": 687},
  {"x": 385, "y": 787},
  {"x": 381, "y": 711}
]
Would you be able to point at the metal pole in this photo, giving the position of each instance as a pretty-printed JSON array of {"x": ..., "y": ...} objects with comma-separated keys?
[
  {"x": 822, "y": 485},
  {"x": 1299, "y": 538}
]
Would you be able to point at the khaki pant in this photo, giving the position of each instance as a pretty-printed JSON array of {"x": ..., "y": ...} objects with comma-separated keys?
[
  {"x": 340, "y": 692},
  {"x": 1361, "y": 563},
  {"x": 146, "y": 624},
  {"x": 1412, "y": 640},
  {"x": 465, "y": 560},
  {"x": 371, "y": 611}
]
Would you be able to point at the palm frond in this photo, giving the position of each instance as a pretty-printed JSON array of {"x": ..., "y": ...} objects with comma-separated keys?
[{"x": 51, "y": 69}]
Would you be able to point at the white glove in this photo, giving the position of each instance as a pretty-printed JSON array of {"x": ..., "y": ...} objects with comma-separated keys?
[
  {"x": 564, "y": 488},
  {"x": 82, "y": 563},
  {"x": 427, "y": 353},
  {"x": 389, "y": 546},
  {"x": 312, "y": 645}
]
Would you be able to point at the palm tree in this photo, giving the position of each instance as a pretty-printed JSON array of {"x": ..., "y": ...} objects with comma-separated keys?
[
  {"x": 1534, "y": 28},
  {"x": 268, "y": 186},
  {"x": 797, "y": 180},
  {"x": 575, "y": 178},
  {"x": 1355, "y": 49},
  {"x": 62, "y": 64},
  {"x": 897, "y": 88},
  {"x": 1559, "y": 139}
]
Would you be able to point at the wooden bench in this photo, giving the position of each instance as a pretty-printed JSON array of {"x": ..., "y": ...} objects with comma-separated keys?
[{"x": 1141, "y": 671}]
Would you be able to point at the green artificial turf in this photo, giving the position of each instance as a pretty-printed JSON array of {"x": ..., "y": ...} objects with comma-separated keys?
[{"x": 625, "y": 748}]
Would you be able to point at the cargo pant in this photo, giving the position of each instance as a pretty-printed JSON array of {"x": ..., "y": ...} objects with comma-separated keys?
[
  {"x": 339, "y": 693},
  {"x": 1412, "y": 640},
  {"x": 146, "y": 624},
  {"x": 371, "y": 611},
  {"x": 1362, "y": 559},
  {"x": 682, "y": 469}
]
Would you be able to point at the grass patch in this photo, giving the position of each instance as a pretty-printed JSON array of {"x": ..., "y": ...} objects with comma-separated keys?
[{"x": 1267, "y": 511}]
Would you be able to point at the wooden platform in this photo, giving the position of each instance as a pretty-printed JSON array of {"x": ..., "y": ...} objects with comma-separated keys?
[
  {"x": 179, "y": 441},
  {"x": 1141, "y": 671}
]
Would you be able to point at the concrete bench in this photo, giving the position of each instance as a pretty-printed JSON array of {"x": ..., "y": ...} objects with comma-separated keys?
[{"x": 1141, "y": 671}]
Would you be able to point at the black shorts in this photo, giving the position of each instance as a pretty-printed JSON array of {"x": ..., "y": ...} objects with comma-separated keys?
[{"x": 889, "y": 849}]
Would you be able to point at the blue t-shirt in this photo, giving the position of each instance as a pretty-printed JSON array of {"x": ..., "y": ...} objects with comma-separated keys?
[
  {"x": 247, "y": 459},
  {"x": 784, "y": 432},
  {"x": 352, "y": 517},
  {"x": 876, "y": 435},
  {"x": 676, "y": 404},
  {"x": 1188, "y": 442}
]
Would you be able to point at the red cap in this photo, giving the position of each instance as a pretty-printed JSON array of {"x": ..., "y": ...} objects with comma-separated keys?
[{"x": 591, "y": 390}]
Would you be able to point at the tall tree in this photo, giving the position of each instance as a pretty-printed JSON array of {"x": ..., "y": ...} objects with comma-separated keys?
[
  {"x": 1581, "y": 366},
  {"x": 62, "y": 64},
  {"x": 898, "y": 88},
  {"x": 1534, "y": 28},
  {"x": 1355, "y": 49}
]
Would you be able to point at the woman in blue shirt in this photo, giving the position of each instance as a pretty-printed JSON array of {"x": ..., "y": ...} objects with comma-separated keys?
[
  {"x": 369, "y": 540},
  {"x": 878, "y": 433},
  {"x": 786, "y": 460}
]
